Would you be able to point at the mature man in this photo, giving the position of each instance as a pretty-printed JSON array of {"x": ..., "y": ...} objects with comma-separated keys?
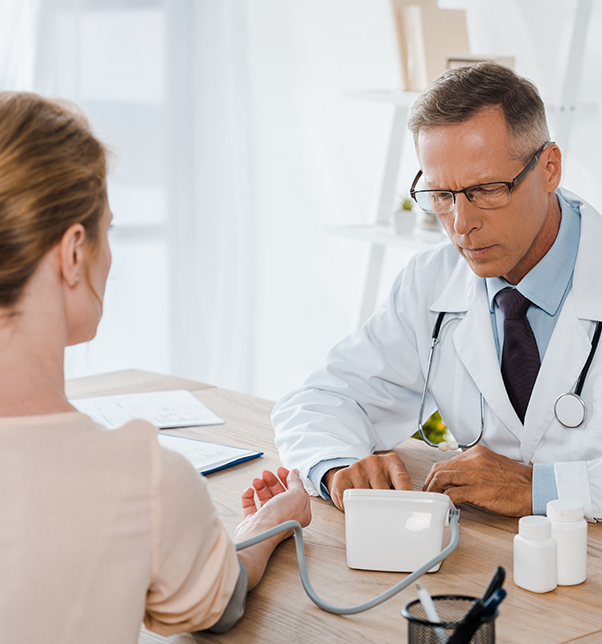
[{"x": 520, "y": 289}]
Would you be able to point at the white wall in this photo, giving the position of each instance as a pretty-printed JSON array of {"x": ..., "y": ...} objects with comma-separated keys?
[
  {"x": 317, "y": 161},
  {"x": 318, "y": 157},
  {"x": 236, "y": 148}
]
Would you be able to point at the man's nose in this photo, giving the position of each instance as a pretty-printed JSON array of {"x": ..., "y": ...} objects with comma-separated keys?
[{"x": 467, "y": 216}]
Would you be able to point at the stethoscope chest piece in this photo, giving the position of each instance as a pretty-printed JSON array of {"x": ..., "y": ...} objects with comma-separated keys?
[{"x": 570, "y": 410}]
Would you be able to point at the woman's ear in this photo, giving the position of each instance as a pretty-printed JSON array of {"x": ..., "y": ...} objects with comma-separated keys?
[{"x": 72, "y": 250}]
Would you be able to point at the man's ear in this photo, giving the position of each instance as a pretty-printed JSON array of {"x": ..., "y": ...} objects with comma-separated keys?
[
  {"x": 72, "y": 251},
  {"x": 553, "y": 166}
]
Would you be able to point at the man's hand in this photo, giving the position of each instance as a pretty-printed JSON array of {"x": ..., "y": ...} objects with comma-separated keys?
[
  {"x": 377, "y": 471},
  {"x": 484, "y": 478}
]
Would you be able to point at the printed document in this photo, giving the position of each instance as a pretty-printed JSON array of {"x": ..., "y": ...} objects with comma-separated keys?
[{"x": 164, "y": 409}]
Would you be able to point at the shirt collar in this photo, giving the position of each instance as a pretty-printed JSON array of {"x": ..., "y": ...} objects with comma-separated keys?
[{"x": 546, "y": 283}]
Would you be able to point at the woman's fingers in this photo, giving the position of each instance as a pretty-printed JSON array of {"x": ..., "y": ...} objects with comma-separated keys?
[
  {"x": 281, "y": 501},
  {"x": 264, "y": 494},
  {"x": 293, "y": 480},
  {"x": 283, "y": 474},
  {"x": 248, "y": 502},
  {"x": 273, "y": 482},
  {"x": 269, "y": 486}
]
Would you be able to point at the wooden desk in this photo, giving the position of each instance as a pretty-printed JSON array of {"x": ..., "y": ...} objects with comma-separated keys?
[{"x": 278, "y": 609}]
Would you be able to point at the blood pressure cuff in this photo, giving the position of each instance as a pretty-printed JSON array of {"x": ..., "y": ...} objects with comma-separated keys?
[{"x": 236, "y": 606}]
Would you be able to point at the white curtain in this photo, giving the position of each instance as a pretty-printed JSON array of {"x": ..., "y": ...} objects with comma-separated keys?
[
  {"x": 236, "y": 147},
  {"x": 211, "y": 231},
  {"x": 162, "y": 85},
  {"x": 18, "y": 22}
]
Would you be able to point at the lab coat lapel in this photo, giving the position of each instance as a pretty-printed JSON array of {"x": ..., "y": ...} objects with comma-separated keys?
[
  {"x": 570, "y": 343},
  {"x": 561, "y": 366},
  {"x": 474, "y": 342},
  {"x": 473, "y": 339}
]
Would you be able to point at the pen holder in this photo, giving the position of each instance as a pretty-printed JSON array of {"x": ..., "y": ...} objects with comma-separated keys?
[{"x": 451, "y": 609}]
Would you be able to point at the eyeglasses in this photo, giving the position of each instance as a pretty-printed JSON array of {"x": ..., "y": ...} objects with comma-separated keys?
[{"x": 486, "y": 195}]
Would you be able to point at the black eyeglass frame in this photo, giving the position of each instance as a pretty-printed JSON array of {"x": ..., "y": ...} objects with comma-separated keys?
[{"x": 509, "y": 184}]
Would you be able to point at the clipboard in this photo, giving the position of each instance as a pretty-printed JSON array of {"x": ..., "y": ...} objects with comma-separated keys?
[{"x": 205, "y": 457}]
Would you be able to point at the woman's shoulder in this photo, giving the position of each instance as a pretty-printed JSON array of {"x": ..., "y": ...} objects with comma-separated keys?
[{"x": 69, "y": 438}]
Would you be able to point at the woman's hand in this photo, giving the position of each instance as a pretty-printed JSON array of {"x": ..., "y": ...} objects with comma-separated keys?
[
  {"x": 280, "y": 498},
  {"x": 278, "y": 502}
]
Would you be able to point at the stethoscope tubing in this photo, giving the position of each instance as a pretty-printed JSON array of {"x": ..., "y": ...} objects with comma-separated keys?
[
  {"x": 590, "y": 359},
  {"x": 576, "y": 395},
  {"x": 444, "y": 445}
]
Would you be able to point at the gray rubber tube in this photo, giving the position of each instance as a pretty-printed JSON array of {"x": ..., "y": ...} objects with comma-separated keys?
[{"x": 351, "y": 610}]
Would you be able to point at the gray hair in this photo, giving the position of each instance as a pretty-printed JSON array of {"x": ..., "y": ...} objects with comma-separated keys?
[{"x": 458, "y": 94}]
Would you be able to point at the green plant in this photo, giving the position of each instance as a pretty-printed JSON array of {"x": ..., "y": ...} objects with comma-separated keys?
[
  {"x": 405, "y": 203},
  {"x": 434, "y": 429}
]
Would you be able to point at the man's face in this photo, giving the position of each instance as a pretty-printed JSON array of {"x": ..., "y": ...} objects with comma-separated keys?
[{"x": 505, "y": 242}]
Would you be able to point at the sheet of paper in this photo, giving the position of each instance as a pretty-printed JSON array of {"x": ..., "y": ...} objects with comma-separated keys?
[
  {"x": 164, "y": 409},
  {"x": 206, "y": 457}
]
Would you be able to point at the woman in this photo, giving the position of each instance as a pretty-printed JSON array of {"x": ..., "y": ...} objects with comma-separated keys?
[{"x": 99, "y": 529}]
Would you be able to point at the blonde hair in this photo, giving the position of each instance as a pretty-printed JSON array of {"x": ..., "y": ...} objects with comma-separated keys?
[{"x": 52, "y": 175}]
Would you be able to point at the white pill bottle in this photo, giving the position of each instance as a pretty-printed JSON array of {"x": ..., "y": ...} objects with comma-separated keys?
[
  {"x": 569, "y": 529},
  {"x": 535, "y": 555}
]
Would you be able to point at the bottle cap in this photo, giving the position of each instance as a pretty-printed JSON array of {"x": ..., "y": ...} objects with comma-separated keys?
[
  {"x": 565, "y": 510},
  {"x": 535, "y": 527}
]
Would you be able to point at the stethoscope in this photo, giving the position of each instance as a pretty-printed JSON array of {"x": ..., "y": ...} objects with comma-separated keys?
[{"x": 569, "y": 408}]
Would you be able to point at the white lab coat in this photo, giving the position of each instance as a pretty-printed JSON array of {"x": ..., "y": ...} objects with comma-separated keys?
[{"x": 364, "y": 396}]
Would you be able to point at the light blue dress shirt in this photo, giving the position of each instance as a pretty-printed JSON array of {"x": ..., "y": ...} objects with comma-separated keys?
[{"x": 546, "y": 286}]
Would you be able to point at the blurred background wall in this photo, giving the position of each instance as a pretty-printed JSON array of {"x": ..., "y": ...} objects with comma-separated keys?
[{"x": 235, "y": 147}]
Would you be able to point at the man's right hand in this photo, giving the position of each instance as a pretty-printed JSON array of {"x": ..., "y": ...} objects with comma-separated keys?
[{"x": 377, "y": 472}]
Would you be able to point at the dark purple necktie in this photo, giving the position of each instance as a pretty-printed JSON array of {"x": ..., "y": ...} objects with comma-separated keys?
[{"x": 520, "y": 356}]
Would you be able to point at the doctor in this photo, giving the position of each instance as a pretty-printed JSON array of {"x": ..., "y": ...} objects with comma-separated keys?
[{"x": 518, "y": 243}]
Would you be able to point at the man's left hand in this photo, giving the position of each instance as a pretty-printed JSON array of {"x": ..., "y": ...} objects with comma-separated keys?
[{"x": 486, "y": 479}]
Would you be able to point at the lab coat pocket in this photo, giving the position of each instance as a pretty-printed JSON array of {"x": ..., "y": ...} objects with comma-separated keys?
[{"x": 586, "y": 440}]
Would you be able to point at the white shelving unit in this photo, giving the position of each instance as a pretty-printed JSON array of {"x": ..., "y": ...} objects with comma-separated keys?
[
  {"x": 381, "y": 234},
  {"x": 385, "y": 235}
]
